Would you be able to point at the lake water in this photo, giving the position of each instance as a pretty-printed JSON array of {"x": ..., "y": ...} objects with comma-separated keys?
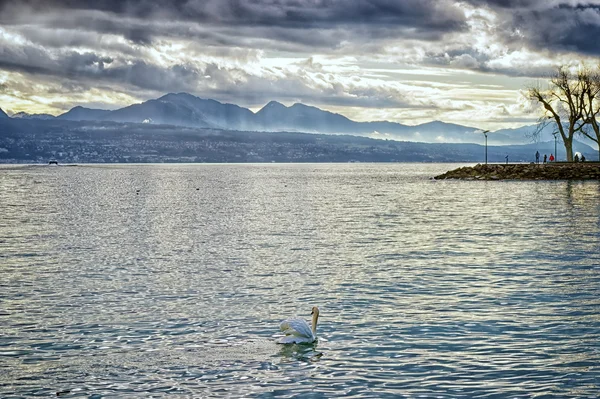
[{"x": 171, "y": 280}]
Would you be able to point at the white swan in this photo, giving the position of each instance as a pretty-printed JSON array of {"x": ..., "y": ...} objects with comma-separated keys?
[{"x": 297, "y": 331}]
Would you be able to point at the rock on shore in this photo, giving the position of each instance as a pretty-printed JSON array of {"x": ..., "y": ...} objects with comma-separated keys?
[{"x": 549, "y": 171}]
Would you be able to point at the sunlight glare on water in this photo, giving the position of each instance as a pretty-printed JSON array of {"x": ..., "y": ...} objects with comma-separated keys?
[{"x": 171, "y": 280}]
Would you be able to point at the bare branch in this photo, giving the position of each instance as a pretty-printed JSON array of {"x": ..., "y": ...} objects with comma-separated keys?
[{"x": 567, "y": 103}]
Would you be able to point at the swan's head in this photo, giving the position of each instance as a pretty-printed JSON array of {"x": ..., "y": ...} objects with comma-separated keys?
[
  {"x": 315, "y": 311},
  {"x": 315, "y": 318}
]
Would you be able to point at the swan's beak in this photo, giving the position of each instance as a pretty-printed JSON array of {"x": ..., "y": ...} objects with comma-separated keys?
[{"x": 312, "y": 312}]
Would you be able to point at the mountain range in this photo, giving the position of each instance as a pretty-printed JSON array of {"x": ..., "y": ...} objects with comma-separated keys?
[{"x": 186, "y": 110}]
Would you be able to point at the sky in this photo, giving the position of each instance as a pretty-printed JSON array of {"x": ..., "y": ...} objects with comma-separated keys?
[{"x": 407, "y": 61}]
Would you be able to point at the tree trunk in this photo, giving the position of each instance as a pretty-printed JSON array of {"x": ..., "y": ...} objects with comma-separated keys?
[
  {"x": 596, "y": 127},
  {"x": 569, "y": 149}
]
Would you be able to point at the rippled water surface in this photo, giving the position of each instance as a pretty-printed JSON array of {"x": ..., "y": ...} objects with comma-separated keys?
[{"x": 171, "y": 280}]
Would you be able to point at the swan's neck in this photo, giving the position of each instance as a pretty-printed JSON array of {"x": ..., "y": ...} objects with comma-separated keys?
[{"x": 315, "y": 317}]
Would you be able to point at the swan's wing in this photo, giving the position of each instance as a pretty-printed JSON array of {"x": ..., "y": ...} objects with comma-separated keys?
[{"x": 297, "y": 328}]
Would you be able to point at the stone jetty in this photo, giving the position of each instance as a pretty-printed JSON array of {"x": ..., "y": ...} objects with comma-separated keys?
[{"x": 548, "y": 171}]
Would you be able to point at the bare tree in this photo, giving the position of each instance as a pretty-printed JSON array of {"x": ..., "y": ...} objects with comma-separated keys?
[
  {"x": 591, "y": 82},
  {"x": 563, "y": 102}
]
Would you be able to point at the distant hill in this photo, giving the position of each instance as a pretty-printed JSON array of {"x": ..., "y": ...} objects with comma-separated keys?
[
  {"x": 300, "y": 117},
  {"x": 157, "y": 112},
  {"x": 84, "y": 114},
  {"x": 3, "y": 114},
  {"x": 25, "y": 115},
  {"x": 430, "y": 132},
  {"x": 214, "y": 113},
  {"x": 185, "y": 110}
]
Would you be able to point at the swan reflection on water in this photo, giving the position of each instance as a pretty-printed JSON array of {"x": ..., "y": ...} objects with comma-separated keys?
[{"x": 301, "y": 352}]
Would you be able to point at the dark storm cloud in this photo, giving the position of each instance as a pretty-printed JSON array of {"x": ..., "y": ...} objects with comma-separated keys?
[
  {"x": 91, "y": 67},
  {"x": 430, "y": 14},
  {"x": 556, "y": 25},
  {"x": 296, "y": 25},
  {"x": 279, "y": 20}
]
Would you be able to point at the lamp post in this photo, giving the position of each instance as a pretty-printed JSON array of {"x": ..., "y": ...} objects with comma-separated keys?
[
  {"x": 485, "y": 132},
  {"x": 555, "y": 134}
]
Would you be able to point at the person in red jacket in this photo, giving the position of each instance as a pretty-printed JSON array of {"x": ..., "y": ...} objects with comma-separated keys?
[{"x": 551, "y": 158}]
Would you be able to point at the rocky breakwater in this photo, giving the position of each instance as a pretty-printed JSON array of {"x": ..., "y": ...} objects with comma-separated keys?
[{"x": 549, "y": 171}]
